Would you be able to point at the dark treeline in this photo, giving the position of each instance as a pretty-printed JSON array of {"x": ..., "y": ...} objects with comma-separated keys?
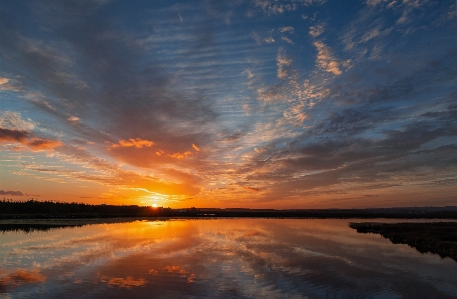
[
  {"x": 395, "y": 213},
  {"x": 436, "y": 237},
  {"x": 50, "y": 209}
]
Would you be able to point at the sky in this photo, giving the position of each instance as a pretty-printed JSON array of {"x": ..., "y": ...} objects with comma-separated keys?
[{"x": 243, "y": 103}]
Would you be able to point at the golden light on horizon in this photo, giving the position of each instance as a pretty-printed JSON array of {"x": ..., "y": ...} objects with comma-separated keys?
[{"x": 154, "y": 205}]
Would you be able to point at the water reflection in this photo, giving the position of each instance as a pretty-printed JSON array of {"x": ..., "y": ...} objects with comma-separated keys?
[{"x": 228, "y": 258}]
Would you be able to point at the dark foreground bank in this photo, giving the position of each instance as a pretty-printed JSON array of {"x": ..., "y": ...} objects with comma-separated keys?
[{"x": 437, "y": 237}]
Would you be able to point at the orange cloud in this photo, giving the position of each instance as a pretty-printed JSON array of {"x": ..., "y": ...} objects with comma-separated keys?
[
  {"x": 196, "y": 147},
  {"x": 139, "y": 153},
  {"x": 133, "y": 180},
  {"x": 42, "y": 144},
  {"x": 180, "y": 155},
  {"x": 110, "y": 174},
  {"x": 137, "y": 142},
  {"x": 181, "y": 175},
  {"x": 26, "y": 138}
]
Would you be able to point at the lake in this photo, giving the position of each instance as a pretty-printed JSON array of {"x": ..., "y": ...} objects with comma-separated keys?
[{"x": 218, "y": 258}]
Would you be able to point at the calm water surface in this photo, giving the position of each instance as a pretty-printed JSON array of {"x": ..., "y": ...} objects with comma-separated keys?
[{"x": 222, "y": 258}]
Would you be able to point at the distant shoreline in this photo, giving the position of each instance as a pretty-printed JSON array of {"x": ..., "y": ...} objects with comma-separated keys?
[{"x": 33, "y": 209}]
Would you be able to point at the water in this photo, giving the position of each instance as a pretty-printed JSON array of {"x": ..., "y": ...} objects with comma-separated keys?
[{"x": 220, "y": 258}]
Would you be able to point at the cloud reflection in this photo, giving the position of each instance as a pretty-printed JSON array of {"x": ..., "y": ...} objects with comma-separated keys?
[
  {"x": 19, "y": 277},
  {"x": 253, "y": 258}
]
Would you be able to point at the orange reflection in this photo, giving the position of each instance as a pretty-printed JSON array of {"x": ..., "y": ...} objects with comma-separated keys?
[
  {"x": 127, "y": 282},
  {"x": 21, "y": 276},
  {"x": 175, "y": 269}
]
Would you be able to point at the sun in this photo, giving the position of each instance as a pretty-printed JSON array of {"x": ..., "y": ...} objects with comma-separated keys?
[{"x": 154, "y": 205}]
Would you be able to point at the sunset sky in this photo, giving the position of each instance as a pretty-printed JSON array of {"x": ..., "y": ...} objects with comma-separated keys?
[{"x": 242, "y": 103}]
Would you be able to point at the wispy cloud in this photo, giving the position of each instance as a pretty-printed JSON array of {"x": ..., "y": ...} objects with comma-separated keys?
[
  {"x": 315, "y": 31},
  {"x": 6, "y": 84},
  {"x": 325, "y": 60},
  {"x": 283, "y": 63},
  {"x": 14, "y": 121}
]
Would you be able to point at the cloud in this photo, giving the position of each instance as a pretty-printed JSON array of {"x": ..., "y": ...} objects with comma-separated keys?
[
  {"x": 315, "y": 31},
  {"x": 256, "y": 38},
  {"x": 375, "y": 2},
  {"x": 287, "y": 40},
  {"x": 137, "y": 143},
  {"x": 144, "y": 153},
  {"x": 274, "y": 8},
  {"x": 180, "y": 155},
  {"x": 196, "y": 147},
  {"x": 73, "y": 119},
  {"x": 41, "y": 144},
  {"x": 12, "y": 193},
  {"x": 283, "y": 62},
  {"x": 6, "y": 85},
  {"x": 286, "y": 29},
  {"x": 181, "y": 176},
  {"x": 7, "y": 135},
  {"x": 14, "y": 121},
  {"x": 101, "y": 171},
  {"x": 27, "y": 139},
  {"x": 325, "y": 60},
  {"x": 452, "y": 11}
]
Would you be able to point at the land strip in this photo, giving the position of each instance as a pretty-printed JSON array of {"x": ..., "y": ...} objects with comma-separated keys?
[{"x": 434, "y": 237}]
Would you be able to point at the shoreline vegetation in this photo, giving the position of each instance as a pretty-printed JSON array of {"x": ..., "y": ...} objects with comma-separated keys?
[
  {"x": 33, "y": 209},
  {"x": 434, "y": 237}
]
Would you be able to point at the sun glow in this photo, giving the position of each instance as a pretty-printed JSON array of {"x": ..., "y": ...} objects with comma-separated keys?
[{"x": 154, "y": 205}]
